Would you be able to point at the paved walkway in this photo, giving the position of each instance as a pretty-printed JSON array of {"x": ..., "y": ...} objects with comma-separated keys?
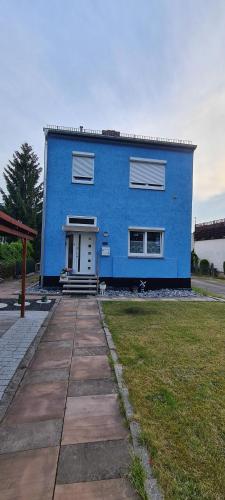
[
  {"x": 63, "y": 436},
  {"x": 16, "y": 335}
]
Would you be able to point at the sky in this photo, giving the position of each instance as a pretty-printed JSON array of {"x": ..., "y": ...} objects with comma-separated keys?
[{"x": 151, "y": 67}]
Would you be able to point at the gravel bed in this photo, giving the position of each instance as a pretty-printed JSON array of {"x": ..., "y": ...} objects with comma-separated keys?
[
  {"x": 37, "y": 289},
  {"x": 124, "y": 292},
  {"x": 33, "y": 305},
  {"x": 162, "y": 293}
]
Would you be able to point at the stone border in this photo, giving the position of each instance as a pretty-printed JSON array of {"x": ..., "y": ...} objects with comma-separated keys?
[
  {"x": 151, "y": 487},
  {"x": 14, "y": 383}
]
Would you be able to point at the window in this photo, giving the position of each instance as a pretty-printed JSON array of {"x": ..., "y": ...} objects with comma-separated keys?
[
  {"x": 83, "y": 168},
  {"x": 77, "y": 220},
  {"x": 136, "y": 242},
  {"x": 147, "y": 174},
  {"x": 146, "y": 242}
]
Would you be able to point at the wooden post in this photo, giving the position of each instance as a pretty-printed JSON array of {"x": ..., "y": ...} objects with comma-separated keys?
[{"x": 24, "y": 242}]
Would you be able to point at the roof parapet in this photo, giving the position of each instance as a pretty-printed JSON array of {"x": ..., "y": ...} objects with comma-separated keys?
[{"x": 116, "y": 135}]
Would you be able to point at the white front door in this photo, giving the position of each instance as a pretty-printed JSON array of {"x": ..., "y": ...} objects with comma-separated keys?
[{"x": 84, "y": 253}]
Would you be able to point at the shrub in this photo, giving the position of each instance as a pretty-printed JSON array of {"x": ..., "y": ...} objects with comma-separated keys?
[
  {"x": 14, "y": 269},
  {"x": 194, "y": 262},
  {"x": 204, "y": 266},
  {"x": 11, "y": 259},
  {"x": 30, "y": 267},
  {"x": 12, "y": 252},
  {"x": 7, "y": 270},
  {"x": 212, "y": 269}
]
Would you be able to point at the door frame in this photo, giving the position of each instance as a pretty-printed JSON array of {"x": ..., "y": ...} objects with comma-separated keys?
[{"x": 74, "y": 234}]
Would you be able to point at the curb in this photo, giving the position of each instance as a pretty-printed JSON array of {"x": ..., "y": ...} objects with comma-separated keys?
[
  {"x": 151, "y": 487},
  {"x": 17, "y": 378},
  {"x": 216, "y": 299}
]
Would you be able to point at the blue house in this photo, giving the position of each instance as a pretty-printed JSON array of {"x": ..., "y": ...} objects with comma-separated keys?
[{"x": 116, "y": 207}]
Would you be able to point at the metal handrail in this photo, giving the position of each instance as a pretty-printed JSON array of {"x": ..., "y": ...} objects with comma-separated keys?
[{"x": 81, "y": 130}]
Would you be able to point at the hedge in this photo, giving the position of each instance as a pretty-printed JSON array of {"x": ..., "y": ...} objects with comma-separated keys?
[
  {"x": 14, "y": 269},
  {"x": 7, "y": 269},
  {"x": 204, "y": 266}
]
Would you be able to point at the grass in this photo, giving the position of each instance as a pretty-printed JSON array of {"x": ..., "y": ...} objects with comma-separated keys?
[
  {"x": 209, "y": 278},
  {"x": 207, "y": 293},
  {"x": 174, "y": 367},
  {"x": 138, "y": 476}
]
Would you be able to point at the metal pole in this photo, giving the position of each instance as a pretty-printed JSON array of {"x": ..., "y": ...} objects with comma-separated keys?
[{"x": 24, "y": 243}]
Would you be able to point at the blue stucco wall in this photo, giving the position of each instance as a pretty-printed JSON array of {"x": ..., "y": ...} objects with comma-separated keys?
[{"x": 117, "y": 207}]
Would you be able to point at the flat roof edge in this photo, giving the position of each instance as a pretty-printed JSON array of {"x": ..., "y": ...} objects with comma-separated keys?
[{"x": 122, "y": 138}]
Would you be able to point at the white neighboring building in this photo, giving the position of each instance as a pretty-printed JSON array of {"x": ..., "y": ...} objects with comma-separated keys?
[{"x": 209, "y": 242}]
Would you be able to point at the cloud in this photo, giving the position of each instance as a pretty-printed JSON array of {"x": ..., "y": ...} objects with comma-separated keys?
[{"x": 155, "y": 68}]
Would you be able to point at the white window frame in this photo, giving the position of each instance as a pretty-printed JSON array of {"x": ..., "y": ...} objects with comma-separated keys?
[
  {"x": 87, "y": 155},
  {"x": 147, "y": 160},
  {"x": 146, "y": 230},
  {"x": 81, "y": 217}
]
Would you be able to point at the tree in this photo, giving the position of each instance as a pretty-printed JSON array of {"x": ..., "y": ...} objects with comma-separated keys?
[
  {"x": 24, "y": 193},
  {"x": 194, "y": 262}
]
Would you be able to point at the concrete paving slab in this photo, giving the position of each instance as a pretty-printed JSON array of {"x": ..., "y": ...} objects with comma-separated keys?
[
  {"x": 48, "y": 359},
  {"x": 91, "y": 323},
  {"x": 93, "y": 418},
  {"x": 90, "y": 351},
  {"x": 91, "y": 387},
  {"x": 45, "y": 376},
  {"x": 87, "y": 309},
  {"x": 111, "y": 489},
  {"x": 83, "y": 314},
  {"x": 63, "y": 345},
  {"x": 29, "y": 436},
  {"x": 68, "y": 304},
  {"x": 63, "y": 321},
  {"x": 35, "y": 402},
  {"x": 28, "y": 474},
  {"x": 68, "y": 312},
  {"x": 90, "y": 367},
  {"x": 61, "y": 327},
  {"x": 93, "y": 461},
  {"x": 89, "y": 338},
  {"x": 65, "y": 313},
  {"x": 52, "y": 334}
]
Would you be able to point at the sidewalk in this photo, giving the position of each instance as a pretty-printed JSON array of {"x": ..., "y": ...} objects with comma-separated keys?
[
  {"x": 16, "y": 336},
  {"x": 63, "y": 436}
]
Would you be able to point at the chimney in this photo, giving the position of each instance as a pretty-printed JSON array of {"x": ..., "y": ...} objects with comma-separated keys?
[{"x": 111, "y": 133}]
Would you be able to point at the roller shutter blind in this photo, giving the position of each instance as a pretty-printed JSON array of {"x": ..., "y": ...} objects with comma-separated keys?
[
  {"x": 83, "y": 168},
  {"x": 147, "y": 174}
]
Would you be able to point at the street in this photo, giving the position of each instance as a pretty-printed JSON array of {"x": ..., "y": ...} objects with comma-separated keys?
[{"x": 210, "y": 285}]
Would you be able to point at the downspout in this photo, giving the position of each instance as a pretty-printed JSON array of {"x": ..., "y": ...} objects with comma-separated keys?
[{"x": 44, "y": 208}]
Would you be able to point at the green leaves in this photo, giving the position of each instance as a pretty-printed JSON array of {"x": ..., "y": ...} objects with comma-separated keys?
[{"x": 24, "y": 193}]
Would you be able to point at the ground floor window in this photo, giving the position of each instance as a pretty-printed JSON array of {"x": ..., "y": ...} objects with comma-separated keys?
[{"x": 146, "y": 242}]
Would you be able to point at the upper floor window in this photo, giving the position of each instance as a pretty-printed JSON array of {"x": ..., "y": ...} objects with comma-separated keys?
[
  {"x": 83, "y": 168},
  {"x": 146, "y": 242},
  {"x": 147, "y": 174}
]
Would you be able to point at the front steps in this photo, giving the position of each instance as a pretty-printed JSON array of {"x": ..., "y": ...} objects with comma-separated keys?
[{"x": 78, "y": 285}]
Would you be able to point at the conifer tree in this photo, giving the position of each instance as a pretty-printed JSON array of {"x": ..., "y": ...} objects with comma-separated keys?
[{"x": 24, "y": 192}]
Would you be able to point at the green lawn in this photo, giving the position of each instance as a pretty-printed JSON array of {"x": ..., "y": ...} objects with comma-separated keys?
[{"x": 174, "y": 367}]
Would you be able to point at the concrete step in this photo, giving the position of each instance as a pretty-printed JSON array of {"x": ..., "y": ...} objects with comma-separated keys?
[
  {"x": 79, "y": 286},
  {"x": 78, "y": 292},
  {"x": 91, "y": 281},
  {"x": 82, "y": 276}
]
